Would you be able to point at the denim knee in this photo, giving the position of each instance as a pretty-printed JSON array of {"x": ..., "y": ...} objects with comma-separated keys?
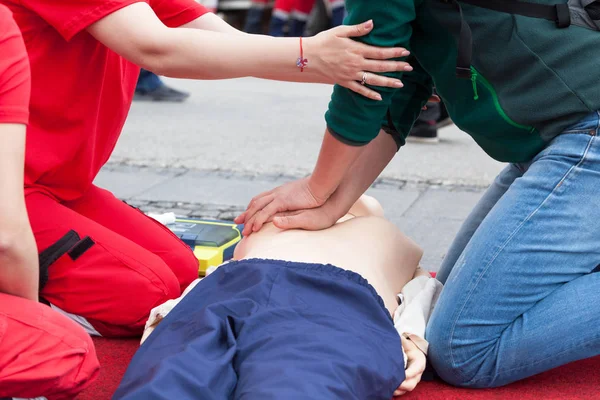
[{"x": 467, "y": 362}]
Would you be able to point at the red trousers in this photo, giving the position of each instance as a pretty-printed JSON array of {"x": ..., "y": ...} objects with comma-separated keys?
[
  {"x": 134, "y": 264},
  {"x": 287, "y": 6},
  {"x": 42, "y": 353}
]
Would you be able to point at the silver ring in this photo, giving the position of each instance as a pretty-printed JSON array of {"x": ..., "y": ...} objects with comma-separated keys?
[{"x": 364, "y": 79}]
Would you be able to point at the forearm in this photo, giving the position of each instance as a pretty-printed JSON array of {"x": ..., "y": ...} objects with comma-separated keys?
[
  {"x": 335, "y": 159},
  {"x": 19, "y": 269},
  {"x": 200, "y": 54},
  {"x": 211, "y": 22},
  {"x": 136, "y": 33},
  {"x": 361, "y": 175},
  {"x": 281, "y": 66}
]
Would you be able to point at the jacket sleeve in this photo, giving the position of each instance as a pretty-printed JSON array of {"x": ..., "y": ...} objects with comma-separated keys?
[
  {"x": 351, "y": 117},
  {"x": 406, "y": 103}
]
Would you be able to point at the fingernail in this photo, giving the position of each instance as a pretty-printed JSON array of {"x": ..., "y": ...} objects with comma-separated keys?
[
  {"x": 378, "y": 97},
  {"x": 408, "y": 68},
  {"x": 405, "y": 53},
  {"x": 398, "y": 84},
  {"x": 369, "y": 24}
]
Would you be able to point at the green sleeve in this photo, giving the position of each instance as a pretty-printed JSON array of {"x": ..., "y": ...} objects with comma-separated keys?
[
  {"x": 406, "y": 103},
  {"x": 351, "y": 117}
]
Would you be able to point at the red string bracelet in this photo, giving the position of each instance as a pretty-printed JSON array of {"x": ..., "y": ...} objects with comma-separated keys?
[{"x": 301, "y": 62}]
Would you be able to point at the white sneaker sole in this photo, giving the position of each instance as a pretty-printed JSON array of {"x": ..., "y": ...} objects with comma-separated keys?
[{"x": 413, "y": 139}]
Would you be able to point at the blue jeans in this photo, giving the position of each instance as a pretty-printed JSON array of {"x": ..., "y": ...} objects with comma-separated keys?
[
  {"x": 521, "y": 294},
  {"x": 148, "y": 81}
]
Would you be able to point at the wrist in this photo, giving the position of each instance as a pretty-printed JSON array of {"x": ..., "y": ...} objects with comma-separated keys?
[
  {"x": 335, "y": 208},
  {"x": 311, "y": 53},
  {"x": 320, "y": 190}
]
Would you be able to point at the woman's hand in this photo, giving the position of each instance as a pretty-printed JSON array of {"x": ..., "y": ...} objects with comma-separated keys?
[
  {"x": 344, "y": 61},
  {"x": 414, "y": 368},
  {"x": 296, "y": 195}
]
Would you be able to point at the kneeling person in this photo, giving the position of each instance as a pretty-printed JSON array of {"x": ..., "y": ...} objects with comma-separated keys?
[{"x": 42, "y": 353}]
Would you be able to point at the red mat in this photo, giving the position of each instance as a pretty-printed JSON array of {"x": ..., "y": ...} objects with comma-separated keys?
[{"x": 576, "y": 381}]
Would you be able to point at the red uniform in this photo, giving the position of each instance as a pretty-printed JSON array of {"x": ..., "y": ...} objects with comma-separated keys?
[
  {"x": 41, "y": 351},
  {"x": 81, "y": 94},
  {"x": 300, "y": 8}
]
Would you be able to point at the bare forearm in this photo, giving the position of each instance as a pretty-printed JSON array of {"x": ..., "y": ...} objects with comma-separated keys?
[
  {"x": 213, "y": 50},
  {"x": 19, "y": 270},
  {"x": 199, "y": 54},
  {"x": 335, "y": 159},
  {"x": 361, "y": 175},
  {"x": 290, "y": 72},
  {"x": 211, "y": 22}
]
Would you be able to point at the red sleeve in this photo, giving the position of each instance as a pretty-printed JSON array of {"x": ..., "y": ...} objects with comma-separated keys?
[
  {"x": 69, "y": 17},
  {"x": 174, "y": 13},
  {"x": 15, "y": 76}
]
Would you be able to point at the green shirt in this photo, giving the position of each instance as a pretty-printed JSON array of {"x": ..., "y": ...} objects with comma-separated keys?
[{"x": 530, "y": 79}]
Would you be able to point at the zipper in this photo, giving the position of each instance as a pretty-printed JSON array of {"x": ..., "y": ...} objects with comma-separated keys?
[
  {"x": 476, "y": 77},
  {"x": 474, "y": 82}
]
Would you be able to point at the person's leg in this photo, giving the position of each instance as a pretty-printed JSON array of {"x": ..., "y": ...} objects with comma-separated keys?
[
  {"x": 42, "y": 353},
  {"x": 280, "y": 17},
  {"x": 254, "y": 17},
  {"x": 444, "y": 118},
  {"x": 110, "y": 281},
  {"x": 481, "y": 210},
  {"x": 521, "y": 298},
  {"x": 425, "y": 127},
  {"x": 316, "y": 313},
  {"x": 190, "y": 353},
  {"x": 148, "y": 81},
  {"x": 299, "y": 16},
  {"x": 151, "y": 88},
  {"x": 338, "y": 12},
  {"x": 242, "y": 333},
  {"x": 319, "y": 19},
  {"x": 103, "y": 207}
]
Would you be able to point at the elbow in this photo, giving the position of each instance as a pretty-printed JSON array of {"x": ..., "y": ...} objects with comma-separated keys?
[
  {"x": 8, "y": 241},
  {"x": 152, "y": 56},
  {"x": 14, "y": 231}
]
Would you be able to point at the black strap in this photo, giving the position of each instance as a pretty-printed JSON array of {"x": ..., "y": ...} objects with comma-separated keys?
[
  {"x": 54, "y": 252},
  {"x": 391, "y": 130},
  {"x": 465, "y": 47},
  {"x": 390, "y": 121},
  {"x": 558, "y": 13},
  {"x": 81, "y": 247}
]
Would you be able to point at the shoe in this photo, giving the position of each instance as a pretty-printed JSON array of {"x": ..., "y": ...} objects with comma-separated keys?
[
  {"x": 161, "y": 93},
  {"x": 444, "y": 119},
  {"x": 441, "y": 123},
  {"x": 424, "y": 132}
]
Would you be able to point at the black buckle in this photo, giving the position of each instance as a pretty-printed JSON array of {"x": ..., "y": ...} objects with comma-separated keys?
[{"x": 563, "y": 15}]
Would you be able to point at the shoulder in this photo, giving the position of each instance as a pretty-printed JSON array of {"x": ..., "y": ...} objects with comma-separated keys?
[
  {"x": 7, "y": 23},
  {"x": 12, "y": 46},
  {"x": 15, "y": 80}
]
